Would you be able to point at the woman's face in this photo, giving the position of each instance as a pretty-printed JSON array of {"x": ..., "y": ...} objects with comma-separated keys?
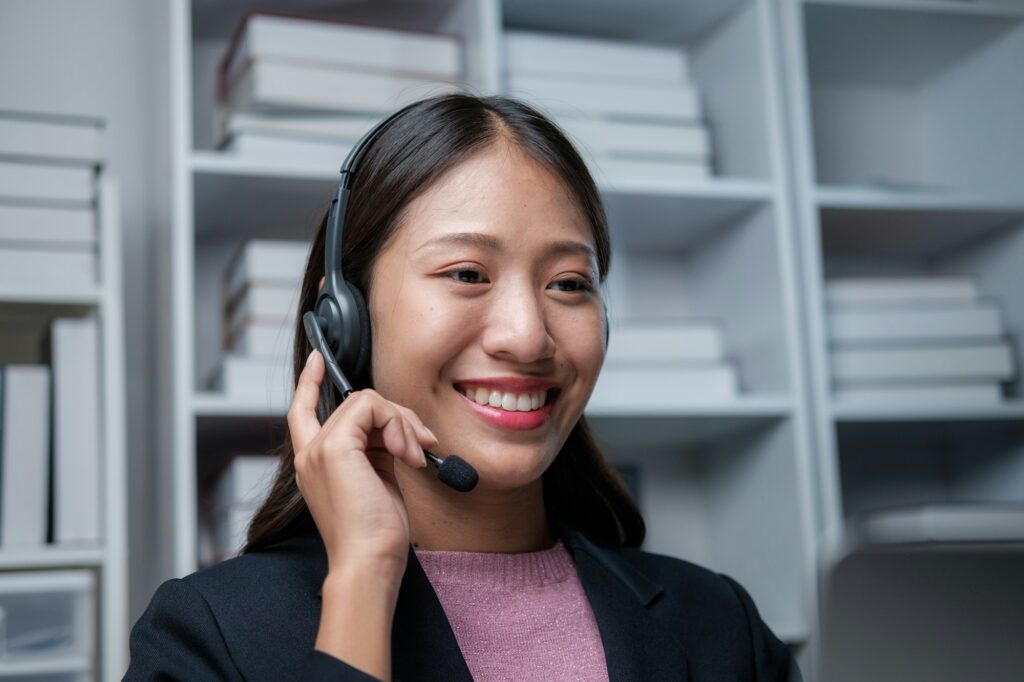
[{"x": 487, "y": 293}]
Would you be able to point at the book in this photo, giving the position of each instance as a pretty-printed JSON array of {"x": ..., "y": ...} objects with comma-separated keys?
[
  {"x": 943, "y": 522},
  {"x": 335, "y": 128},
  {"x": 46, "y": 182},
  {"x": 902, "y": 291},
  {"x": 615, "y": 170},
  {"x": 894, "y": 324},
  {"x": 288, "y": 149},
  {"x": 50, "y": 137},
  {"x": 336, "y": 44},
  {"x": 530, "y": 52},
  {"x": 629, "y": 100},
  {"x": 663, "y": 385},
  {"x": 658, "y": 341},
  {"x": 270, "y": 303},
  {"x": 24, "y": 454},
  {"x": 245, "y": 481},
  {"x": 65, "y": 226},
  {"x": 260, "y": 381},
  {"x": 992, "y": 360},
  {"x": 266, "y": 85},
  {"x": 268, "y": 261},
  {"x": 643, "y": 139},
  {"x": 258, "y": 339},
  {"x": 50, "y": 269},
  {"x": 967, "y": 394},
  {"x": 75, "y": 356}
]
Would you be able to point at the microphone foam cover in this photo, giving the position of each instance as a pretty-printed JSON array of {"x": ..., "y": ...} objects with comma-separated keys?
[{"x": 457, "y": 473}]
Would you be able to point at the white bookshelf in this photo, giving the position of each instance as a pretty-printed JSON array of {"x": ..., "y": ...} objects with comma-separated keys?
[
  {"x": 98, "y": 570},
  {"x": 728, "y": 485}
]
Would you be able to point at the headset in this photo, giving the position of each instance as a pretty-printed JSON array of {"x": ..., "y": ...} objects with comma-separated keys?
[{"x": 339, "y": 324}]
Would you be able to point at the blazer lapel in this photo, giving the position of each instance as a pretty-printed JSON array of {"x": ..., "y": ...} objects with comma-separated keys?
[
  {"x": 423, "y": 645},
  {"x": 636, "y": 646}
]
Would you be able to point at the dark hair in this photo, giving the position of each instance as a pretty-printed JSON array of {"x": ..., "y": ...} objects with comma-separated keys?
[{"x": 580, "y": 488}]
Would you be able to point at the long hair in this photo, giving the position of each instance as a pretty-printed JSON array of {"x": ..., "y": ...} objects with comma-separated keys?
[{"x": 580, "y": 488}]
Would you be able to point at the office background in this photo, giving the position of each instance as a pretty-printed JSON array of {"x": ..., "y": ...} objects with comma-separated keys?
[{"x": 877, "y": 522}]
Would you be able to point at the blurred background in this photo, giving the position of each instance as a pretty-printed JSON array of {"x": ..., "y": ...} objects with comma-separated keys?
[{"x": 813, "y": 379}]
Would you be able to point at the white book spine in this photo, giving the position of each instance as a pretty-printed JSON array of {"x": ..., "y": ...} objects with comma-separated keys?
[
  {"x": 288, "y": 150},
  {"x": 228, "y": 528},
  {"x": 336, "y": 128},
  {"x": 273, "y": 340},
  {"x": 76, "y": 420},
  {"x": 658, "y": 343},
  {"x": 67, "y": 226},
  {"x": 268, "y": 86},
  {"x": 899, "y": 291},
  {"x": 245, "y": 481},
  {"x": 946, "y": 523},
  {"x": 264, "y": 302},
  {"x": 263, "y": 381},
  {"x": 625, "y": 170},
  {"x": 267, "y": 261},
  {"x": 992, "y": 361},
  {"x": 25, "y": 454},
  {"x": 47, "y": 270},
  {"x": 954, "y": 395},
  {"x": 933, "y": 322},
  {"x": 681, "y": 141},
  {"x": 43, "y": 182},
  {"x": 46, "y": 139},
  {"x": 645, "y": 102},
  {"x": 336, "y": 44},
  {"x": 530, "y": 52},
  {"x": 665, "y": 386}
]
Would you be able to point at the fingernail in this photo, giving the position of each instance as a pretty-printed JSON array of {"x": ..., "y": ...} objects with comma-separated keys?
[
  {"x": 430, "y": 433},
  {"x": 310, "y": 356}
]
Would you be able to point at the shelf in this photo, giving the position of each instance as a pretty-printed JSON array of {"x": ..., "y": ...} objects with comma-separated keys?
[
  {"x": 942, "y": 525},
  {"x": 211, "y": 404},
  {"x": 50, "y": 557},
  {"x": 43, "y": 664},
  {"x": 908, "y": 413},
  {"x": 87, "y": 297},
  {"x": 910, "y": 41}
]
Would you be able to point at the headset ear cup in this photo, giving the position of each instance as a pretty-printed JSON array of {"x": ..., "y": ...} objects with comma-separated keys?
[{"x": 362, "y": 359}]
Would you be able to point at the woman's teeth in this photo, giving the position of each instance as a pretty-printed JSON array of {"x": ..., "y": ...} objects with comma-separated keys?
[{"x": 512, "y": 402}]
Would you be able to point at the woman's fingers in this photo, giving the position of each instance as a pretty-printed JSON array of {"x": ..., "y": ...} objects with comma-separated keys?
[
  {"x": 303, "y": 424},
  {"x": 369, "y": 412}
]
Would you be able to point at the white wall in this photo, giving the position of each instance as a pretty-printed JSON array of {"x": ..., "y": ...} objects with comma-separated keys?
[{"x": 108, "y": 58}]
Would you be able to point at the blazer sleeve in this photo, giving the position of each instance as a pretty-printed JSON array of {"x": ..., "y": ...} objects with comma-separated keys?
[
  {"x": 773, "y": 661},
  {"x": 178, "y": 638}
]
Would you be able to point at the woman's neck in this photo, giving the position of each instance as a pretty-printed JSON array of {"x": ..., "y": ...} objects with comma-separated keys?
[{"x": 506, "y": 521}]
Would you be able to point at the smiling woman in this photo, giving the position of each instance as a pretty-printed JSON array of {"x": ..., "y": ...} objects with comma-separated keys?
[{"x": 479, "y": 242}]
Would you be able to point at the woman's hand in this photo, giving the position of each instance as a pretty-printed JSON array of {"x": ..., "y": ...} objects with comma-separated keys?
[{"x": 345, "y": 470}]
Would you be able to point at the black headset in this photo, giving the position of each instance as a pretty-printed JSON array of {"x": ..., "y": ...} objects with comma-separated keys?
[{"x": 339, "y": 324}]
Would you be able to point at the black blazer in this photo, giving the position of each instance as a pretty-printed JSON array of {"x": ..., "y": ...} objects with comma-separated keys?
[{"x": 255, "y": 617}]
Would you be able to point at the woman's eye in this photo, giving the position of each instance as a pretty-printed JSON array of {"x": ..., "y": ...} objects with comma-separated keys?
[
  {"x": 574, "y": 285},
  {"x": 467, "y": 276}
]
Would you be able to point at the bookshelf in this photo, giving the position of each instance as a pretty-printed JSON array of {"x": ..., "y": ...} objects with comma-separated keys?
[
  {"x": 90, "y": 577},
  {"x": 728, "y": 484}
]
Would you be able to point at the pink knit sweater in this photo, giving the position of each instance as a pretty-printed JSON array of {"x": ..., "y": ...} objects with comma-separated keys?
[{"x": 518, "y": 616}]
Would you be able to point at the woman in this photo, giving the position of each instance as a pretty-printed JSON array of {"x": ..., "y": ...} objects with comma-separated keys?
[{"x": 479, "y": 241}]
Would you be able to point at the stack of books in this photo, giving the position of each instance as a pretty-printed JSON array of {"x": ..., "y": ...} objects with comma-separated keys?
[
  {"x": 915, "y": 340},
  {"x": 302, "y": 89},
  {"x": 239, "y": 491},
  {"x": 664, "y": 364},
  {"x": 631, "y": 108},
  {"x": 48, "y": 236},
  {"x": 50, "y": 441},
  {"x": 260, "y": 292}
]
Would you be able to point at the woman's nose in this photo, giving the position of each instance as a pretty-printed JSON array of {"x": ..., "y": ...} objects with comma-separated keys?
[{"x": 517, "y": 329}]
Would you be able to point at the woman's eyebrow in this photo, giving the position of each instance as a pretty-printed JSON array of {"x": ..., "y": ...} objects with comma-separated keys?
[{"x": 492, "y": 243}]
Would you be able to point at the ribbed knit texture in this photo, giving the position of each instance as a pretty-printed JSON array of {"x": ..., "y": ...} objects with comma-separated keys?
[{"x": 518, "y": 616}]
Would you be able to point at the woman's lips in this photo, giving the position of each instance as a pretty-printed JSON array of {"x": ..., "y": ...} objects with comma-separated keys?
[{"x": 504, "y": 419}]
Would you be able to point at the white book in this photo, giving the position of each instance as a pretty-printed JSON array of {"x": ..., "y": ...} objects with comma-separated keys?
[
  {"x": 938, "y": 322},
  {"x": 949, "y": 522},
  {"x": 664, "y": 341},
  {"x": 899, "y": 290},
  {"x": 284, "y": 86},
  {"x": 326, "y": 127},
  {"x": 681, "y": 141},
  {"x": 992, "y": 360},
  {"x": 245, "y": 481},
  {"x": 270, "y": 303},
  {"x": 66, "y": 226},
  {"x": 76, "y": 424},
  {"x": 337, "y": 44},
  {"x": 980, "y": 394},
  {"x": 614, "y": 171},
  {"x": 229, "y": 527},
  {"x": 24, "y": 453},
  {"x": 288, "y": 149},
  {"x": 254, "y": 380},
  {"x": 599, "y": 59},
  {"x": 268, "y": 261},
  {"x": 668, "y": 385},
  {"x": 46, "y": 182},
  {"x": 56, "y": 138},
  {"x": 630, "y": 100},
  {"x": 256, "y": 339},
  {"x": 55, "y": 270}
]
